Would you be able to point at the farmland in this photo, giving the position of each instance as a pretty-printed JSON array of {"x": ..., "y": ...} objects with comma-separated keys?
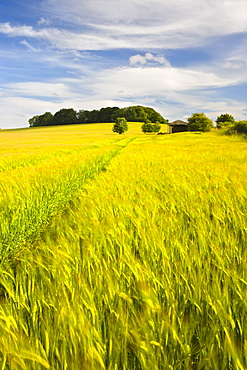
[{"x": 122, "y": 252}]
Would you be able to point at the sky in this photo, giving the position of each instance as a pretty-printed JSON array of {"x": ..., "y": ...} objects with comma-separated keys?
[{"x": 178, "y": 57}]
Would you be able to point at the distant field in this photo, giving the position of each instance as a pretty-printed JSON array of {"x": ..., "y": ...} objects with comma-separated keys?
[{"x": 122, "y": 252}]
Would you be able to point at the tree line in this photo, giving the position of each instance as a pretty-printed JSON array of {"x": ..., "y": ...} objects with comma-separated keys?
[{"x": 68, "y": 116}]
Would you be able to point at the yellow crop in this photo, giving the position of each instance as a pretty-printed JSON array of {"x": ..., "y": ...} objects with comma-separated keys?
[{"x": 122, "y": 251}]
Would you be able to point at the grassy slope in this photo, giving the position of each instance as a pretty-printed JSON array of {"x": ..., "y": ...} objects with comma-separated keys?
[{"x": 146, "y": 268}]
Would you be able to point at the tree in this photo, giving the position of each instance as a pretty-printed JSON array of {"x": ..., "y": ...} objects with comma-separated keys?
[
  {"x": 240, "y": 127},
  {"x": 199, "y": 122},
  {"x": 120, "y": 126},
  {"x": 138, "y": 113},
  {"x": 45, "y": 119},
  {"x": 149, "y": 127},
  {"x": 33, "y": 122},
  {"x": 93, "y": 116},
  {"x": 82, "y": 116},
  {"x": 154, "y": 116},
  {"x": 107, "y": 114},
  {"x": 65, "y": 116},
  {"x": 224, "y": 120}
]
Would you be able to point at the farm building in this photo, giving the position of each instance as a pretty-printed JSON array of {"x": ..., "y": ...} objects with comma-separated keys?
[{"x": 178, "y": 126}]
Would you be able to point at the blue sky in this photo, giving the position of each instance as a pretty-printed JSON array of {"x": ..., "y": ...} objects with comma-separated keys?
[{"x": 178, "y": 57}]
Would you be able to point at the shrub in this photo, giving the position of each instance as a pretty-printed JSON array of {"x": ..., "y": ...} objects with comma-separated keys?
[
  {"x": 149, "y": 127},
  {"x": 240, "y": 127}
]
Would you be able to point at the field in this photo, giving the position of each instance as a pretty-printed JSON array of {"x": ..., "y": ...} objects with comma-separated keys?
[{"x": 122, "y": 252}]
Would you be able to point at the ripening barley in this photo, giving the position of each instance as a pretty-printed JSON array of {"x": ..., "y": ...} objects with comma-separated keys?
[{"x": 144, "y": 268}]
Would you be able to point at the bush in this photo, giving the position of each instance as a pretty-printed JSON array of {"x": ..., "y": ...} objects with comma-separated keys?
[
  {"x": 226, "y": 124},
  {"x": 240, "y": 127},
  {"x": 227, "y": 128},
  {"x": 149, "y": 127},
  {"x": 120, "y": 125}
]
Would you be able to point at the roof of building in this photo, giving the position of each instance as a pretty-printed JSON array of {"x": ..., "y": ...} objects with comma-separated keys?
[{"x": 178, "y": 122}]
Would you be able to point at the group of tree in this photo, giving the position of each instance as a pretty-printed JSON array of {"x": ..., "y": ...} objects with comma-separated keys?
[
  {"x": 197, "y": 122},
  {"x": 120, "y": 126},
  {"x": 68, "y": 116},
  {"x": 227, "y": 123}
]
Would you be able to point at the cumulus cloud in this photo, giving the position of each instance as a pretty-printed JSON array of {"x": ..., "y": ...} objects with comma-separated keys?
[{"x": 148, "y": 58}]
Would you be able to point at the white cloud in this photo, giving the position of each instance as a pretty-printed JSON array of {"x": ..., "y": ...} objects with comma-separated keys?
[
  {"x": 9, "y": 30},
  {"x": 235, "y": 64},
  {"x": 154, "y": 81},
  {"x": 37, "y": 89},
  {"x": 30, "y": 47},
  {"x": 44, "y": 21},
  {"x": 171, "y": 105},
  {"x": 167, "y": 23},
  {"x": 148, "y": 59},
  {"x": 16, "y": 111},
  {"x": 135, "y": 12},
  {"x": 175, "y": 93},
  {"x": 136, "y": 24},
  {"x": 63, "y": 39}
]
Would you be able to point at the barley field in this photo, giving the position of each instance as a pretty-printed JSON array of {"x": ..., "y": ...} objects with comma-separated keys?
[{"x": 122, "y": 252}]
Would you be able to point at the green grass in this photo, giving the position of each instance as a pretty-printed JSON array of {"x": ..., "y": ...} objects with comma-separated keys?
[{"x": 139, "y": 261}]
